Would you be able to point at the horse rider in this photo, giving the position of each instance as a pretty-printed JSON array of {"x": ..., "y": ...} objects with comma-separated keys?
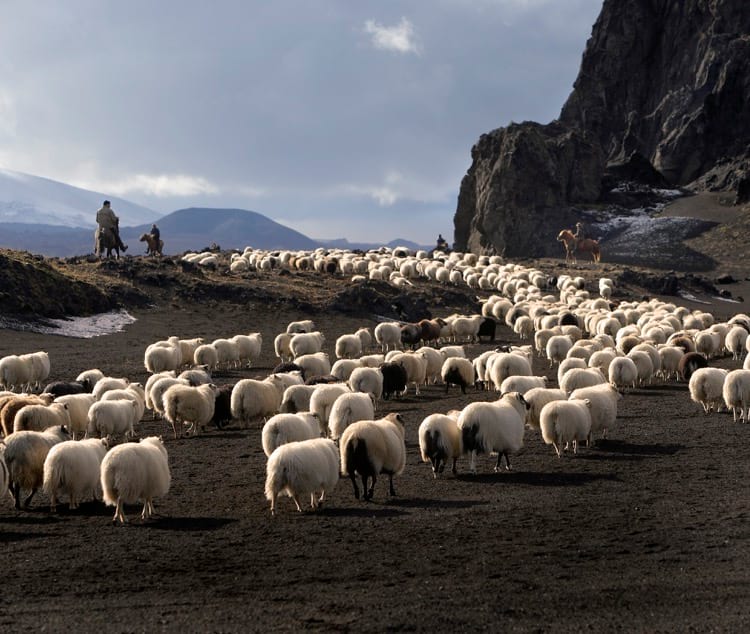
[
  {"x": 109, "y": 222},
  {"x": 580, "y": 233},
  {"x": 442, "y": 245},
  {"x": 156, "y": 234}
]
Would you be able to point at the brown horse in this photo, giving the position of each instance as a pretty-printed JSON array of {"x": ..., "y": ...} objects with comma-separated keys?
[
  {"x": 573, "y": 245},
  {"x": 105, "y": 240},
  {"x": 153, "y": 246}
]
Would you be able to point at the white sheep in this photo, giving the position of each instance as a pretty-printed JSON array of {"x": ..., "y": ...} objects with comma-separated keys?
[
  {"x": 78, "y": 411},
  {"x": 89, "y": 378},
  {"x": 107, "y": 383},
  {"x": 40, "y": 368},
  {"x": 537, "y": 398},
  {"x": 163, "y": 356},
  {"x": 736, "y": 394},
  {"x": 206, "y": 354},
  {"x": 73, "y": 467},
  {"x": 388, "y": 335},
  {"x": 296, "y": 398},
  {"x": 112, "y": 418},
  {"x": 522, "y": 384},
  {"x": 507, "y": 364},
  {"x": 623, "y": 372},
  {"x": 156, "y": 394},
  {"x": 372, "y": 360},
  {"x": 228, "y": 352},
  {"x": 135, "y": 471},
  {"x": 669, "y": 361},
  {"x": 601, "y": 359},
  {"x": 306, "y": 343},
  {"x": 249, "y": 347},
  {"x": 134, "y": 392},
  {"x": 40, "y": 417},
  {"x": 188, "y": 348},
  {"x": 735, "y": 341},
  {"x": 343, "y": 368},
  {"x": 643, "y": 364},
  {"x": 365, "y": 338},
  {"x": 285, "y": 428},
  {"x": 369, "y": 448},
  {"x": 457, "y": 371},
  {"x": 568, "y": 364},
  {"x": 301, "y": 468},
  {"x": 440, "y": 441},
  {"x": 349, "y": 408},
  {"x": 557, "y": 348},
  {"x": 563, "y": 422},
  {"x": 603, "y": 399},
  {"x": 493, "y": 428},
  {"x": 348, "y": 347},
  {"x": 577, "y": 377},
  {"x": 187, "y": 404},
  {"x": 416, "y": 369},
  {"x": 368, "y": 380},
  {"x": 304, "y": 325},
  {"x": 252, "y": 399},
  {"x": 314, "y": 364},
  {"x": 196, "y": 376},
  {"x": 434, "y": 360},
  {"x": 15, "y": 372},
  {"x": 281, "y": 347},
  {"x": 171, "y": 374},
  {"x": 25, "y": 452},
  {"x": 322, "y": 400},
  {"x": 706, "y": 387}
]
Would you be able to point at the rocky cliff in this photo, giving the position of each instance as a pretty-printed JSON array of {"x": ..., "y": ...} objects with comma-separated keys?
[{"x": 662, "y": 98}]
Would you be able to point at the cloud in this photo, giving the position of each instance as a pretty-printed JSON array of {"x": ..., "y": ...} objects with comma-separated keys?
[
  {"x": 158, "y": 185},
  {"x": 399, "y": 38}
]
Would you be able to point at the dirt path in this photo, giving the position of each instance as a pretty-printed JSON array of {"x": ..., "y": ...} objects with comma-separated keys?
[{"x": 645, "y": 532}]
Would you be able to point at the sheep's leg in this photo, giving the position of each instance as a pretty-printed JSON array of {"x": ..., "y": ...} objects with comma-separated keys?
[
  {"x": 473, "y": 462},
  {"x": 296, "y": 502},
  {"x": 507, "y": 461},
  {"x": 354, "y": 484},
  {"x": 390, "y": 484},
  {"x": 371, "y": 490},
  {"x": 557, "y": 449},
  {"x": 27, "y": 501},
  {"x": 16, "y": 493},
  {"x": 118, "y": 513},
  {"x": 53, "y": 503},
  {"x": 435, "y": 464},
  {"x": 499, "y": 460},
  {"x": 453, "y": 469},
  {"x": 575, "y": 446}
]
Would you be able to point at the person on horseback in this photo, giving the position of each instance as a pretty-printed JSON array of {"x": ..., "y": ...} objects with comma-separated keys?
[
  {"x": 156, "y": 234},
  {"x": 442, "y": 245},
  {"x": 109, "y": 223}
]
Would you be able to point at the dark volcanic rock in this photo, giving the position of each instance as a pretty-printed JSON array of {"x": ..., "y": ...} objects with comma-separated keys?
[{"x": 662, "y": 97}]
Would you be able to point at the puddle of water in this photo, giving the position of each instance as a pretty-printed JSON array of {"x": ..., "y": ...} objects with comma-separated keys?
[{"x": 77, "y": 327}]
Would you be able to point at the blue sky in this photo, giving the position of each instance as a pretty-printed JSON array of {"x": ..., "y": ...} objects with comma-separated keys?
[{"x": 337, "y": 118}]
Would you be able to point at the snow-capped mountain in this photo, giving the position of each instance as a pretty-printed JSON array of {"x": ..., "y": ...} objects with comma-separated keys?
[{"x": 35, "y": 200}]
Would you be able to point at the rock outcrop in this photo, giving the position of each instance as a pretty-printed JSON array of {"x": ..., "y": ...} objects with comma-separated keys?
[{"x": 662, "y": 99}]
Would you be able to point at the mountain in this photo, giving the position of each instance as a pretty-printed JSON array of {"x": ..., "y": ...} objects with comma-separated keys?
[
  {"x": 35, "y": 200},
  {"x": 196, "y": 228},
  {"x": 662, "y": 101}
]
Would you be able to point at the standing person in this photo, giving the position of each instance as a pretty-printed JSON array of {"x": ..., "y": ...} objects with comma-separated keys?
[{"x": 109, "y": 223}]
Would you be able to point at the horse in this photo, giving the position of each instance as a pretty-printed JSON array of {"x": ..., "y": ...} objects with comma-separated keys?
[
  {"x": 153, "y": 246},
  {"x": 574, "y": 245},
  {"x": 106, "y": 239}
]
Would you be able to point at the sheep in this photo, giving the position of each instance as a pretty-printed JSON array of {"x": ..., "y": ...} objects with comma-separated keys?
[
  {"x": 348, "y": 347},
  {"x": 14, "y": 403},
  {"x": 112, "y": 418},
  {"x": 706, "y": 386},
  {"x": 15, "y": 372},
  {"x": 365, "y": 338},
  {"x": 304, "y": 325},
  {"x": 249, "y": 347},
  {"x": 40, "y": 417},
  {"x": 372, "y": 447},
  {"x": 296, "y": 398},
  {"x": 440, "y": 441},
  {"x": 188, "y": 348},
  {"x": 690, "y": 363},
  {"x": 388, "y": 335},
  {"x": 394, "y": 379},
  {"x": 302, "y": 468},
  {"x": 61, "y": 388},
  {"x": 643, "y": 364},
  {"x": 493, "y": 428},
  {"x": 522, "y": 384},
  {"x": 434, "y": 361},
  {"x": 228, "y": 352},
  {"x": 252, "y": 398},
  {"x": 457, "y": 371},
  {"x": 349, "y": 408},
  {"x": 508, "y": 364},
  {"x": 135, "y": 471},
  {"x": 134, "y": 392},
  {"x": 109, "y": 383},
  {"x": 708, "y": 343},
  {"x": 4, "y": 472},
  {"x": 25, "y": 452},
  {"x": 343, "y": 368},
  {"x": 735, "y": 341},
  {"x": 557, "y": 348},
  {"x": 159, "y": 358},
  {"x": 669, "y": 361},
  {"x": 466, "y": 328},
  {"x": 281, "y": 347},
  {"x": 565, "y": 422},
  {"x": 368, "y": 380},
  {"x": 416, "y": 369},
  {"x": 568, "y": 364},
  {"x": 187, "y": 404},
  {"x": 207, "y": 355},
  {"x": 453, "y": 351},
  {"x": 623, "y": 372},
  {"x": 89, "y": 378},
  {"x": 73, "y": 467},
  {"x": 537, "y": 398},
  {"x": 603, "y": 400},
  {"x": 306, "y": 343},
  {"x": 322, "y": 400},
  {"x": 315, "y": 364},
  {"x": 736, "y": 393},
  {"x": 196, "y": 376},
  {"x": 577, "y": 378},
  {"x": 372, "y": 360},
  {"x": 601, "y": 360},
  {"x": 156, "y": 394},
  {"x": 285, "y": 428},
  {"x": 78, "y": 411}
]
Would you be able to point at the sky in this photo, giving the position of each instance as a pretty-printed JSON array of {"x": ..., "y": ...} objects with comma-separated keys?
[{"x": 334, "y": 117}]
